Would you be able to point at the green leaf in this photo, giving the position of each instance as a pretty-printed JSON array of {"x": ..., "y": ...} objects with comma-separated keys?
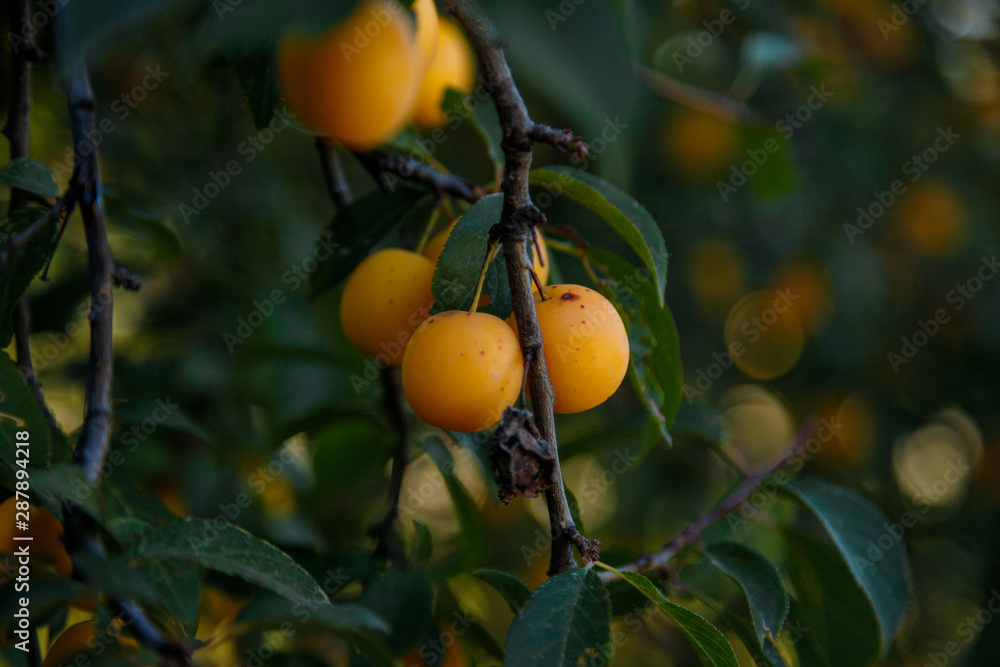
[
  {"x": 462, "y": 259},
  {"x": 348, "y": 618},
  {"x": 483, "y": 120},
  {"x": 859, "y": 529},
  {"x": 761, "y": 582},
  {"x": 140, "y": 224},
  {"x": 833, "y": 619},
  {"x": 513, "y": 590},
  {"x": 699, "y": 420},
  {"x": 355, "y": 230},
  {"x": 231, "y": 550},
  {"x": 620, "y": 210},
  {"x": 20, "y": 267},
  {"x": 565, "y": 622},
  {"x": 65, "y": 481},
  {"x": 404, "y": 601},
  {"x": 254, "y": 68},
  {"x": 29, "y": 175},
  {"x": 19, "y": 413},
  {"x": 130, "y": 514},
  {"x": 709, "y": 643},
  {"x": 654, "y": 344},
  {"x": 115, "y": 578},
  {"x": 340, "y": 464},
  {"x": 472, "y": 529}
]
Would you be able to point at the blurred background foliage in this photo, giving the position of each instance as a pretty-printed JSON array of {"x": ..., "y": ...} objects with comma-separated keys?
[{"x": 676, "y": 98}]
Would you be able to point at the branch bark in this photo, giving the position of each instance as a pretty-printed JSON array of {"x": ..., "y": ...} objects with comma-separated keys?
[
  {"x": 661, "y": 561},
  {"x": 519, "y": 214},
  {"x": 379, "y": 162},
  {"x": 333, "y": 174},
  {"x": 92, "y": 446}
]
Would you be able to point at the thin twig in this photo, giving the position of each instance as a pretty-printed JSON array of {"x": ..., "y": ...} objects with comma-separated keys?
[
  {"x": 64, "y": 203},
  {"x": 92, "y": 446},
  {"x": 519, "y": 213},
  {"x": 697, "y": 98},
  {"x": 409, "y": 169},
  {"x": 386, "y": 541},
  {"x": 22, "y": 328},
  {"x": 18, "y": 132},
  {"x": 333, "y": 173},
  {"x": 94, "y": 440},
  {"x": 661, "y": 561}
]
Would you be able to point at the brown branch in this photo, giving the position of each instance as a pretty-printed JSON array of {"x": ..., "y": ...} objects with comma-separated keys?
[
  {"x": 519, "y": 213},
  {"x": 17, "y": 129},
  {"x": 92, "y": 446},
  {"x": 94, "y": 439},
  {"x": 386, "y": 540},
  {"x": 696, "y": 98},
  {"x": 409, "y": 169},
  {"x": 662, "y": 560},
  {"x": 333, "y": 173},
  {"x": 22, "y": 328}
]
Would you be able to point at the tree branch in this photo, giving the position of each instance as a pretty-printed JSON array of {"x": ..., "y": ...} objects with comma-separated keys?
[
  {"x": 409, "y": 169},
  {"x": 386, "y": 542},
  {"x": 661, "y": 561},
  {"x": 92, "y": 446},
  {"x": 333, "y": 174},
  {"x": 17, "y": 129},
  {"x": 519, "y": 213},
  {"x": 94, "y": 440}
]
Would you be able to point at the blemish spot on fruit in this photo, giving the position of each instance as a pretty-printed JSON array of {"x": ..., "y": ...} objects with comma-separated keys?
[
  {"x": 569, "y": 296},
  {"x": 481, "y": 352}
]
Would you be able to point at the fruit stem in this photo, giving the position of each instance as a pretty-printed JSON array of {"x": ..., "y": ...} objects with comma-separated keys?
[
  {"x": 538, "y": 284},
  {"x": 425, "y": 236},
  {"x": 491, "y": 252}
]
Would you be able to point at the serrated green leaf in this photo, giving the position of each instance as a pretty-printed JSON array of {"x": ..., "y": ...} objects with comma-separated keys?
[
  {"x": 20, "y": 413},
  {"x": 354, "y": 232},
  {"x": 513, "y": 590},
  {"x": 709, "y": 643},
  {"x": 254, "y": 69},
  {"x": 654, "y": 344},
  {"x": 625, "y": 215},
  {"x": 565, "y": 622},
  {"x": 231, "y": 550},
  {"x": 760, "y": 581},
  {"x": 857, "y": 528},
  {"x": 115, "y": 578},
  {"x": 461, "y": 261},
  {"x": 21, "y": 266},
  {"x": 29, "y": 175}
]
